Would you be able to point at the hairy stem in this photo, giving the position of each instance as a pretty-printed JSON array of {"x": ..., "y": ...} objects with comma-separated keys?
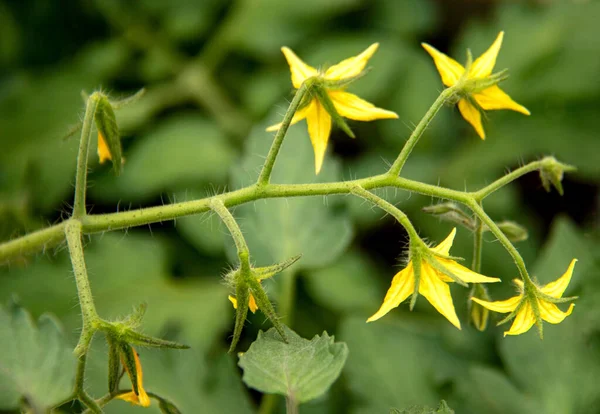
[
  {"x": 236, "y": 233},
  {"x": 507, "y": 179},
  {"x": 396, "y": 168},
  {"x": 267, "y": 169},
  {"x": 477, "y": 246},
  {"x": 82, "y": 156}
]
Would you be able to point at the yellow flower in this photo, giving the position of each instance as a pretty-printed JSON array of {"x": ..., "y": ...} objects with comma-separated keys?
[
  {"x": 103, "y": 150},
  {"x": 524, "y": 306},
  {"x": 345, "y": 104},
  {"x": 251, "y": 303},
  {"x": 140, "y": 397},
  {"x": 488, "y": 99},
  {"x": 433, "y": 284}
]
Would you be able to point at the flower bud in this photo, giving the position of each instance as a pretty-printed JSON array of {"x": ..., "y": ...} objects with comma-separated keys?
[
  {"x": 109, "y": 140},
  {"x": 514, "y": 231},
  {"x": 552, "y": 173},
  {"x": 451, "y": 212},
  {"x": 478, "y": 314}
]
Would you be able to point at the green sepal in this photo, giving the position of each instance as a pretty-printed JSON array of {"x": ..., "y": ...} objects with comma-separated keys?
[
  {"x": 114, "y": 364},
  {"x": 416, "y": 262},
  {"x": 134, "y": 320},
  {"x": 120, "y": 103},
  {"x": 325, "y": 100},
  {"x": 128, "y": 360},
  {"x": 343, "y": 83},
  {"x": 243, "y": 297},
  {"x": 106, "y": 123},
  {"x": 266, "y": 307},
  {"x": 269, "y": 271},
  {"x": 166, "y": 406},
  {"x": 444, "y": 270},
  {"x": 137, "y": 338}
]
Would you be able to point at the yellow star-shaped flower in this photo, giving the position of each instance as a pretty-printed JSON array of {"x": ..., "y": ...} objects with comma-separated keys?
[
  {"x": 487, "y": 99},
  {"x": 345, "y": 104},
  {"x": 140, "y": 397},
  {"x": 523, "y": 306},
  {"x": 433, "y": 284}
]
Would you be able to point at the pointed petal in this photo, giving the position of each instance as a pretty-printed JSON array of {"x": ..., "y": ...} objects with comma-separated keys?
[
  {"x": 523, "y": 321},
  {"x": 129, "y": 397},
  {"x": 319, "y": 128},
  {"x": 501, "y": 306},
  {"x": 495, "y": 98},
  {"x": 438, "y": 294},
  {"x": 233, "y": 301},
  {"x": 298, "y": 116},
  {"x": 103, "y": 150},
  {"x": 402, "y": 286},
  {"x": 550, "y": 312},
  {"x": 300, "y": 70},
  {"x": 142, "y": 395},
  {"x": 350, "y": 67},
  {"x": 558, "y": 287},
  {"x": 444, "y": 247},
  {"x": 252, "y": 304},
  {"x": 450, "y": 70},
  {"x": 484, "y": 64},
  {"x": 472, "y": 116},
  {"x": 351, "y": 106},
  {"x": 465, "y": 274}
]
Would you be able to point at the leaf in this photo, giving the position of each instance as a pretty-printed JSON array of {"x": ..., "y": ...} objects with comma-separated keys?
[
  {"x": 179, "y": 153},
  {"x": 278, "y": 229},
  {"x": 300, "y": 369},
  {"x": 37, "y": 364},
  {"x": 442, "y": 409}
]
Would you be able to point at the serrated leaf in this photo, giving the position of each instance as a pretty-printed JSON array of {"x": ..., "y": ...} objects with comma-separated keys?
[
  {"x": 300, "y": 369},
  {"x": 279, "y": 229},
  {"x": 37, "y": 364},
  {"x": 442, "y": 409}
]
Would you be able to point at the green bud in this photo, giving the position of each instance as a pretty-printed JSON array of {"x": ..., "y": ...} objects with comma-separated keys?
[
  {"x": 451, "y": 212},
  {"x": 514, "y": 231},
  {"x": 479, "y": 315},
  {"x": 552, "y": 172},
  {"x": 167, "y": 407},
  {"x": 109, "y": 140}
]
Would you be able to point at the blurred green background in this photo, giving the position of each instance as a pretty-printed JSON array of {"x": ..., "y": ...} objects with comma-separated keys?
[{"x": 215, "y": 78}]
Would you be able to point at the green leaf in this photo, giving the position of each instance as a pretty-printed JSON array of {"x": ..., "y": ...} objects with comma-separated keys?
[
  {"x": 442, "y": 409},
  {"x": 300, "y": 369},
  {"x": 37, "y": 364},
  {"x": 181, "y": 152},
  {"x": 276, "y": 230}
]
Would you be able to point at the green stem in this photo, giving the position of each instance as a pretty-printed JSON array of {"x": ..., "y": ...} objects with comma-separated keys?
[
  {"x": 291, "y": 405},
  {"x": 33, "y": 242},
  {"x": 268, "y": 403},
  {"x": 73, "y": 231},
  {"x": 236, "y": 233},
  {"x": 82, "y": 156},
  {"x": 477, "y": 246},
  {"x": 507, "y": 179},
  {"x": 267, "y": 169},
  {"x": 418, "y": 131},
  {"x": 485, "y": 219}
]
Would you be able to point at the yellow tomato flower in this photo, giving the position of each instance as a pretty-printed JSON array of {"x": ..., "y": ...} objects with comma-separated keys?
[
  {"x": 487, "y": 99},
  {"x": 433, "y": 284},
  {"x": 140, "y": 397},
  {"x": 251, "y": 303},
  {"x": 345, "y": 104},
  {"x": 523, "y": 305},
  {"x": 103, "y": 150}
]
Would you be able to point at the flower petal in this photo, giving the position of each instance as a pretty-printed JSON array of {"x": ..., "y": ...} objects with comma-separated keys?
[
  {"x": 298, "y": 116},
  {"x": 103, "y": 150},
  {"x": 351, "y": 106},
  {"x": 550, "y": 312},
  {"x": 495, "y": 98},
  {"x": 300, "y": 70},
  {"x": 350, "y": 67},
  {"x": 558, "y": 287},
  {"x": 233, "y": 301},
  {"x": 501, "y": 306},
  {"x": 252, "y": 304},
  {"x": 141, "y": 397},
  {"x": 465, "y": 274},
  {"x": 319, "y": 128},
  {"x": 472, "y": 116},
  {"x": 444, "y": 247},
  {"x": 438, "y": 294},
  {"x": 523, "y": 321},
  {"x": 450, "y": 70},
  {"x": 403, "y": 285},
  {"x": 484, "y": 64}
]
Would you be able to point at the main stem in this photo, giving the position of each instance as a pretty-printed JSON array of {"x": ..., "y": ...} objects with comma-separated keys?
[
  {"x": 396, "y": 168},
  {"x": 82, "y": 156},
  {"x": 267, "y": 169}
]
